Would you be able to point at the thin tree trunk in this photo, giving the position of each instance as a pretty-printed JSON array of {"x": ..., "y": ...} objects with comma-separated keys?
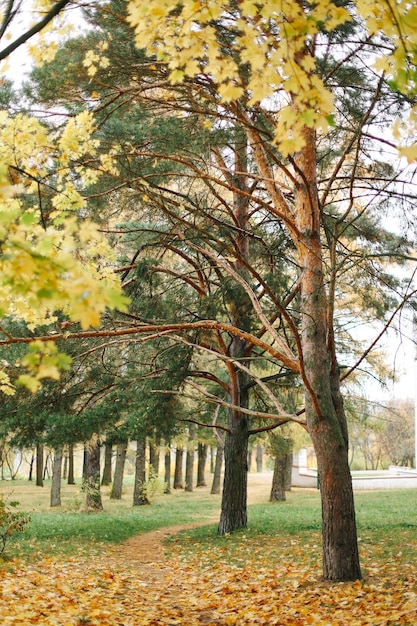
[
  {"x": 201, "y": 464},
  {"x": 139, "y": 490},
  {"x": 167, "y": 480},
  {"x": 56, "y": 478},
  {"x": 65, "y": 467},
  {"x": 117, "y": 486},
  {"x": 39, "y": 465},
  {"x": 212, "y": 460},
  {"x": 189, "y": 461},
  {"x": 154, "y": 455},
  {"x": 31, "y": 462},
  {"x": 288, "y": 471},
  {"x": 93, "y": 500},
  {"x": 107, "y": 469},
  {"x": 71, "y": 478},
  {"x": 216, "y": 486},
  {"x": 178, "y": 480},
  {"x": 259, "y": 458},
  {"x": 250, "y": 454}
]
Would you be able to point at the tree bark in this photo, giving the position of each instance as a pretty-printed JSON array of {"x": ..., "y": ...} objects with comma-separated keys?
[
  {"x": 31, "y": 462},
  {"x": 154, "y": 455},
  {"x": 56, "y": 478},
  {"x": 91, "y": 485},
  {"x": 259, "y": 458},
  {"x": 117, "y": 486},
  {"x": 65, "y": 466},
  {"x": 167, "y": 480},
  {"x": 234, "y": 498},
  {"x": 279, "y": 478},
  {"x": 178, "y": 481},
  {"x": 39, "y": 465},
  {"x": 71, "y": 478},
  {"x": 201, "y": 464},
  {"x": 139, "y": 491},
  {"x": 107, "y": 469},
  {"x": 189, "y": 461},
  {"x": 325, "y": 415},
  {"x": 216, "y": 485}
]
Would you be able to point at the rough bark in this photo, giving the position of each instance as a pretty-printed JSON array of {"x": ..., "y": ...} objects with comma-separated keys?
[
  {"x": 216, "y": 485},
  {"x": 139, "y": 489},
  {"x": 189, "y": 461},
  {"x": 178, "y": 480},
  {"x": 39, "y": 465},
  {"x": 234, "y": 498},
  {"x": 56, "y": 478},
  {"x": 325, "y": 415},
  {"x": 91, "y": 484},
  {"x": 201, "y": 464},
  {"x": 107, "y": 468},
  {"x": 117, "y": 486}
]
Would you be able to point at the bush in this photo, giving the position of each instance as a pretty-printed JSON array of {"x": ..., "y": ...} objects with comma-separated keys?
[{"x": 11, "y": 522}]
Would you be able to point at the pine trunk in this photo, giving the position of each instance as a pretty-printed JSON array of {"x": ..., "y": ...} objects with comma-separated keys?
[
  {"x": 178, "y": 480},
  {"x": 117, "y": 486},
  {"x": 201, "y": 464},
  {"x": 71, "y": 478},
  {"x": 325, "y": 415},
  {"x": 216, "y": 486},
  {"x": 56, "y": 478},
  {"x": 167, "y": 479},
  {"x": 279, "y": 479},
  {"x": 139, "y": 490},
  {"x": 259, "y": 458},
  {"x": 154, "y": 454},
  {"x": 39, "y": 465},
  {"x": 189, "y": 461},
  {"x": 93, "y": 500},
  {"x": 107, "y": 469}
]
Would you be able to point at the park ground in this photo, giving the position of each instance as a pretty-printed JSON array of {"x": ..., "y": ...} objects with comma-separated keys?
[{"x": 165, "y": 565}]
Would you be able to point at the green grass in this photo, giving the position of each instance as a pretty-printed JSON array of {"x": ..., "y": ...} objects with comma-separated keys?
[{"x": 384, "y": 517}]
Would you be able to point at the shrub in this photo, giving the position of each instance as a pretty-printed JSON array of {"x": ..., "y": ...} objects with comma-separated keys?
[{"x": 11, "y": 522}]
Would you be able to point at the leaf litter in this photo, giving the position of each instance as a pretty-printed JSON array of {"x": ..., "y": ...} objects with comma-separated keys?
[{"x": 235, "y": 581}]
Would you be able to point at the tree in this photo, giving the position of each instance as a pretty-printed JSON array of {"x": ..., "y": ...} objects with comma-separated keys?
[{"x": 245, "y": 74}]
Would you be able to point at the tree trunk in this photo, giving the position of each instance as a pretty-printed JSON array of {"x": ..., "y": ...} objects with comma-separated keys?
[
  {"x": 56, "y": 478},
  {"x": 250, "y": 454},
  {"x": 288, "y": 471},
  {"x": 71, "y": 478},
  {"x": 216, "y": 486},
  {"x": 65, "y": 467},
  {"x": 31, "y": 462},
  {"x": 39, "y": 465},
  {"x": 154, "y": 454},
  {"x": 91, "y": 485},
  {"x": 189, "y": 461},
  {"x": 212, "y": 461},
  {"x": 259, "y": 458},
  {"x": 279, "y": 478},
  {"x": 139, "y": 491},
  {"x": 201, "y": 464},
  {"x": 107, "y": 469},
  {"x": 117, "y": 486},
  {"x": 325, "y": 415},
  {"x": 234, "y": 499},
  {"x": 178, "y": 481},
  {"x": 167, "y": 480}
]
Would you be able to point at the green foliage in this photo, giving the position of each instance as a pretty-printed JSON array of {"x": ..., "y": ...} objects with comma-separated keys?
[{"x": 11, "y": 521}]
